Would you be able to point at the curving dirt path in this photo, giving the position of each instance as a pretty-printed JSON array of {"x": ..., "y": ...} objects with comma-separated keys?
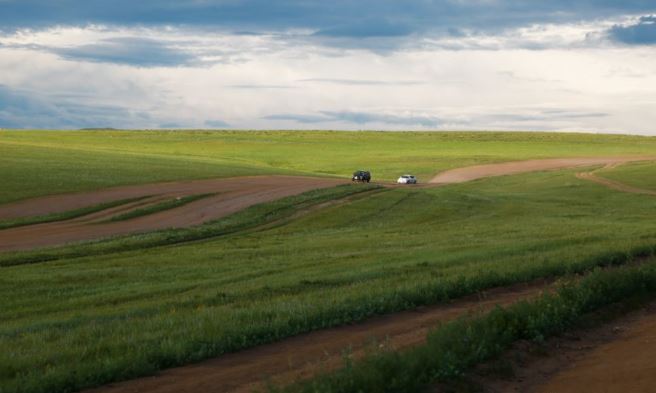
[
  {"x": 234, "y": 194},
  {"x": 461, "y": 175},
  {"x": 302, "y": 356},
  {"x": 615, "y": 357},
  {"x": 625, "y": 364},
  {"x": 615, "y": 185}
]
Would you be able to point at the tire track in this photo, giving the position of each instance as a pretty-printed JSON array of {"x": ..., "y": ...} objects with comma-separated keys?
[{"x": 613, "y": 184}]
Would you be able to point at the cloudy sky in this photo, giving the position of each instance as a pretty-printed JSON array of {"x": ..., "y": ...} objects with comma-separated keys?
[{"x": 580, "y": 65}]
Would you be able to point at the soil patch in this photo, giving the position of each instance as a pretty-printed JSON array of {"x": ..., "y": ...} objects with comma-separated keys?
[
  {"x": 616, "y": 357},
  {"x": 461, "y": 175},
  {"x": 233, "y": 194}
]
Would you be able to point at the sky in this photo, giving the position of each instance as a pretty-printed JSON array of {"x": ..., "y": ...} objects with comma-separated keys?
[{"x": 558, "y": 65}]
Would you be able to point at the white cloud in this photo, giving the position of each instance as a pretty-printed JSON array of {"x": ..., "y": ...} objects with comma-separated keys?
[{"x": 578, "y": 80}]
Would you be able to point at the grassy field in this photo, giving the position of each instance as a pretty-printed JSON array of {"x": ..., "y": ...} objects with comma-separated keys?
[
  {"x": 639, "y": 174},
  {"x": 57, "y": 161},
  {"x": 85, "y": 321}
]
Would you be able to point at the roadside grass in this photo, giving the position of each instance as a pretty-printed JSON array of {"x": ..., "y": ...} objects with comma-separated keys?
[
  {"x": 638, "y": 174},
  {"x": 49, "y": 158},
  {"x": 81, "y": 322},
  {"x": 454, "y": 347},
  {"x": 249, "y": 218},
  {"x": 67, "y": 215},
  {"x": 158, "y": 207}
]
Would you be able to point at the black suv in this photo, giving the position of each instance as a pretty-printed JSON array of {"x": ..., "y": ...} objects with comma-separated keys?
[{"x": 362, "y": 176}]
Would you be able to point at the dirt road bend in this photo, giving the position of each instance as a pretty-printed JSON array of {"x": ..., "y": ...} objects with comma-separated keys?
[
  {"x": 233, "y": 194},
  {"x": 625, "y": 364},
  {"x": 465, "y": 174}
]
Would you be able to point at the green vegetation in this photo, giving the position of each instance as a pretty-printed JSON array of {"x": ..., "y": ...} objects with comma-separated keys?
[
  {"x": 79, "y": 322},
  {"x": 639, "y": 174},
  {"x": 64, "y": 161},
  {"x": 67, "y": 215},
  {"x": 458, "y": 345},
  {"x": 158, "y": 207},
  {"x": 129, "y": 306}
]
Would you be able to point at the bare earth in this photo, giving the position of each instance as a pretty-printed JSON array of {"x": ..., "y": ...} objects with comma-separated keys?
[
  {"x": 461, "y": 175},
  {"x": 626, "y": 364},
  {"x": 304, "y": 355},
  {"x": 616, "y": 357},
  {"x": 615, "y": 185},
  {"x": 234, "y": 194}
]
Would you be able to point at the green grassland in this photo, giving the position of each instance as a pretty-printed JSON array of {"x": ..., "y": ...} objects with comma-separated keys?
[
  {"x": 639, "y": 174},
  {"x": 34, "y": 163},
  {"x": 79, "y": 322}
]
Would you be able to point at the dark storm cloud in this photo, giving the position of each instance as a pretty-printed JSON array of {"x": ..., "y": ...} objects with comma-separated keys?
[
  {"x": 641, "y": 33},
  {"x": 27, "y": 109},
  {"x": 339, "y": 18},
  {"x": 367, "y": 28},
  {"x": 127, "y": 50},
  {"x": 134, "y": 51}
]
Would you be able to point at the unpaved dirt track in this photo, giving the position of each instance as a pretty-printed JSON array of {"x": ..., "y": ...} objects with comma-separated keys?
[
  {"x": 461, "y": 175},
  {"x": 617, "y": 356},
  {"x": 625, "y": 364},
  {"x": 615, "y": 185},
  {"x": 304, "y": 355},
  {"x": 234, "y": 194}
]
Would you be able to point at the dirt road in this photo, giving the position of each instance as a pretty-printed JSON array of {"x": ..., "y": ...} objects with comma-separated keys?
[
  {"x": 614, "y": 357},
  {"x": 234, "y": 194},
  {"x": 302, "y": 356},
  {"x": 625, "y": 364},
  {"x": 615, "y": 185},
  {"x": 461, "y": 175}
]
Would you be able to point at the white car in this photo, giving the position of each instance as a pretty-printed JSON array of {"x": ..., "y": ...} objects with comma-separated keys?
[{"x": 407, "y": 179}]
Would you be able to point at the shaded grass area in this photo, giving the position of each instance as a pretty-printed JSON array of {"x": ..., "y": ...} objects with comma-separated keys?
[
  {"x": 49, "y": 158},
  {"x": 456, "y": 346},
  {"x": 162, "y": 206},
  {"x": 67, "y": 215},
  {"x": 250, "y": 217},
  {"x": 79, "y": 322}
]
